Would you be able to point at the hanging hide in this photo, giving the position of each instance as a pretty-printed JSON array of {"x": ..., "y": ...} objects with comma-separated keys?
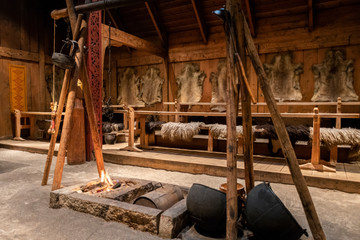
[
  {"x": 59, "y": 76},
  {"x": 151, "y": 86},
  {"x": 284, "y": 77},
  {"x": 334, "y": 78},
  {"x": 128, "y": 88},
  {"x": 180, "y": 131},
  {"x": 218, "y": 83},
  {"x": 190, "y": 83}
]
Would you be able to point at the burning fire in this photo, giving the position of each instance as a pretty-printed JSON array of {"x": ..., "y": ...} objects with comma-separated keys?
[{"x": 105, "y": 184}]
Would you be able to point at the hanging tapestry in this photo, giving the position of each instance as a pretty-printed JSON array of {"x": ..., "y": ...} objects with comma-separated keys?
[
  {"x": 17, "y": 80},
  {"x": 190, "y": 83},
  {"x": 334, "y": 78},
  {"x": 284, "y": 77}
]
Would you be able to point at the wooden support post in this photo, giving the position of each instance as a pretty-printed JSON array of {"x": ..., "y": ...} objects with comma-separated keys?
[
  {"x": 315, "y": 162},
  {"x": 246, "y": 98},
  {"x": 63, "y": 93},
  {"x": 65, "y": 134},
  {"x": 131, "y": 141},
  {"x": 286, "y": 146},
  {"x": 144, "y": 137},
  {"x": 210, "y": 147},
  {"x": 232, "y": 96},
  {"x": 177, "y": 109},
  {"x": 18, "y": 126},
  {"x": 334, "y": 150},
  {"x": 32, "y": 127},
  {"x": 240, "y": 150}
]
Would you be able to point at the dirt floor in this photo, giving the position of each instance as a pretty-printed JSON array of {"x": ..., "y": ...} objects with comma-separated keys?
[{"x": 25, "y": 212}]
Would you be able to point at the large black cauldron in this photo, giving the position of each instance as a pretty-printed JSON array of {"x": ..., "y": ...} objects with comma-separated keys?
[
  {"x": 267, "y": 216},
  {"x": 207, "y": 208}
]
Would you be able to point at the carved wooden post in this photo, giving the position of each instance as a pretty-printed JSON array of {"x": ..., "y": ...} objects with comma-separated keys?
[
  {"x": 18, "y": 126},
  {"x": 131, "y": 141},
  {"x": 315, "y": 162}
]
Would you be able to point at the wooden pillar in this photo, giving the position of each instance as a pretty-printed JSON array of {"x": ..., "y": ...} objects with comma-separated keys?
[
  {"x": 286, "y": 146},
  {"x": 63, "y": 93},
  {"x": 334, "y": 150},
  {"x": 246, "y": 97},
  {"x": 231, "y": 114},
  {"x": 315, "y": 162},
  {"x": 131, "y": 141},
  {"x": 18, "y": 126},
  {"x": 210, "y": 147},
  {"x": 177, "y": 109}
]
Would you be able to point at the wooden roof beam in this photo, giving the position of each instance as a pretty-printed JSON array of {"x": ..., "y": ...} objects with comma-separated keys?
[
  {"x": 119, "y": 38},
  {"x": 200, "y": 21},
  {"x": 157, "y": 24},
  {"x": 311, "y": 15},
  {"x": 94, "y": 6},
  {"x": 251, "y": 20}
]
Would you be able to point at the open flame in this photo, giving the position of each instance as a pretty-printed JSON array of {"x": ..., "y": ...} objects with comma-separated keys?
[{"x": 105, "y": 181}]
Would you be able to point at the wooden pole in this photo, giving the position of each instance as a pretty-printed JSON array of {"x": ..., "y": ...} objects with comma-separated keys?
[
  {"x": 246, "y": 98},
  {"x": 131, "y": 141},
  {"x": 65, "y": 135},
  {"x": 63, "y": 93},
  {"x": 286, "y": 146},
  {"x": 334, "y": 150},
  {"x": 18, "y": 126},
  {"x": 231, "y": 114}
]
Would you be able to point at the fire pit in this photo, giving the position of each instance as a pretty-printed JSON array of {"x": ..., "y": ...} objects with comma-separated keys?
[{"x": 112, "y": 199}]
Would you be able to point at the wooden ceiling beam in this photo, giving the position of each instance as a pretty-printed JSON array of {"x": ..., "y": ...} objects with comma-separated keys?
[
  {"x": 200, "y": 22},
  {"x": 311, "y": 15},
  {"x": 251, "y": 19},
  {"x": 116, "y": 25},
  {"x": 119, "y": 38},
  {"x": 157, "y": 23}
]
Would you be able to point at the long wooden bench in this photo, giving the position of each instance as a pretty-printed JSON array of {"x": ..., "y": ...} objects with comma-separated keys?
[{"x": 26, "y": 120}]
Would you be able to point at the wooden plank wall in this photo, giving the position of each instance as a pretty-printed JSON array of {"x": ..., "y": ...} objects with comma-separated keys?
[
  {"x": 333, "y": 28},
  {"x": 21, "y": 27}
]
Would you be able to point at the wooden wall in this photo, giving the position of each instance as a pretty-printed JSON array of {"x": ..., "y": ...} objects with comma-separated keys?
[
  {"x": 24, "y": 40},
  {"x": 334, "y": 26}
]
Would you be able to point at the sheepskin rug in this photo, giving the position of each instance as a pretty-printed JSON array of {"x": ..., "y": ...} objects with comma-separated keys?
[{"x": 180, "y": 131}]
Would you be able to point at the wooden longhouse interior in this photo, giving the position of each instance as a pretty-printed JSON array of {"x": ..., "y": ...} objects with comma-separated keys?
[{"x": 242, "y": 91}]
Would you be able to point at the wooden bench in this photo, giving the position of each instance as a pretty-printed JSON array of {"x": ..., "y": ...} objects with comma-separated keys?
[{"x": 26, "y": 120}]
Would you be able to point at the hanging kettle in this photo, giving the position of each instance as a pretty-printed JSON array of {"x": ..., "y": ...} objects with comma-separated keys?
[{"x": 62, "y": 60}]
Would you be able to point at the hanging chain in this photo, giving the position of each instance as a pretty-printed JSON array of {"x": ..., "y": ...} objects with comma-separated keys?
[{"x": 109, "y": 62}]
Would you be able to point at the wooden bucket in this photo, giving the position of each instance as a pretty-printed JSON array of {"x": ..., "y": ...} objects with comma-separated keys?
[{"x": 161, "y": 198}]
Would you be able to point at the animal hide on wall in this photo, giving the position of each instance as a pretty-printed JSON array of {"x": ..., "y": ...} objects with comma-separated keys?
[
  {"x": 218, "y": 82},
  {"x": 284, "y": 77},
  {"x": 151, "y": 86},
  {"x": 334, "y": 78},
  {"x": 190, "y": 83},
  {"x": 128, "y": 88}
]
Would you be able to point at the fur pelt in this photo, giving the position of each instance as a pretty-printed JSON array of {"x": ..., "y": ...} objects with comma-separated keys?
[
  {"x": 190, "y": 83},
  {"x": 108, "y": 127},
  {"x": 332, "y": 136},
  {"x": 284, "y": 77},
  {"x": 218, "y": 83},
  {"x": 334, "y": 78},
  {"x": 151, "y": 86},
  {"x": 150, "y": 127},
  {"x": 220, "y": 130},
  {"x": 180, "y": 131},
  {"x": 296, "y": 133},
  {"x": 128, "y": 88}
]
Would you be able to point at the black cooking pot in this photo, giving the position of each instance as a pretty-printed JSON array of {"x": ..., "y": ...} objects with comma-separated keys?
[
  {"x": 267, "y": 216},
  {"x": 207, "y": 208}
]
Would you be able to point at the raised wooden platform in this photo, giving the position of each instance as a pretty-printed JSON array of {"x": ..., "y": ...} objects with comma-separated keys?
[{"x": 346, "y": 178}]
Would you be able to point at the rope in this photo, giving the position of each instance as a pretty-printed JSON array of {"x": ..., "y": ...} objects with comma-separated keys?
[{"x": 53, "y": 68}]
